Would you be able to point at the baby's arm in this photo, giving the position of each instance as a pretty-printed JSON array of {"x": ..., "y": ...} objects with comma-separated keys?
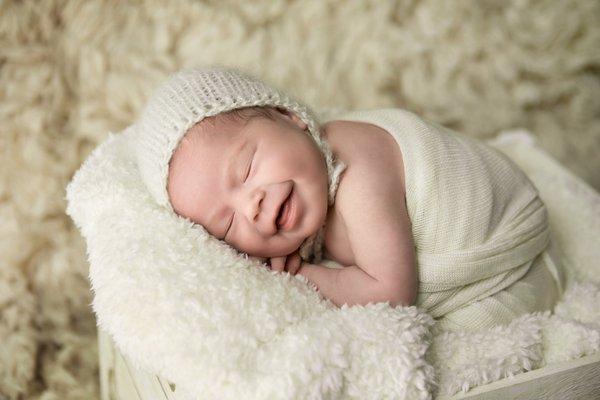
[
  {"x": 290, "y": 263},
  {"x": 353, "y": 286},
  {"x": 349, "y": 285},
  {"x": 373, "y": 208}
]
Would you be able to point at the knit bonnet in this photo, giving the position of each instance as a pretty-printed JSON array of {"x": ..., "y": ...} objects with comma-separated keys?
[{"x": 193, "y": 94}]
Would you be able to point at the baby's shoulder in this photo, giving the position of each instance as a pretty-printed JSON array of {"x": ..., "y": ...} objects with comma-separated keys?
[
  {"x": 370, "y": 201},
  {"x": 371, "y": 154},
  {"x": 373, "y": 181}
]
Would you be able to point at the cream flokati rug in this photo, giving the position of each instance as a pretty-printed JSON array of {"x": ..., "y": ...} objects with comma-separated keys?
[{"x": 70, "y": 72}]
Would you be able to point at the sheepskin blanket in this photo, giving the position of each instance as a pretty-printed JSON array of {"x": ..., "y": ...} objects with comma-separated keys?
[
  {"x": 221, "y": 325},
  {"x": 72, "y": 71}
]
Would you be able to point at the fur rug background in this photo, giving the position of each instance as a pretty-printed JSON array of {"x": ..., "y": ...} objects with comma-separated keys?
[{"x": 70, "y": 72}]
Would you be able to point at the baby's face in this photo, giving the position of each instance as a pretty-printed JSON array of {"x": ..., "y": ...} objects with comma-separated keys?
[{"x": 233, "y": 179}]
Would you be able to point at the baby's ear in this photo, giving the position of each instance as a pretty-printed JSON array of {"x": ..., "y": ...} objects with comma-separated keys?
[{"x": 292, "y": 117}]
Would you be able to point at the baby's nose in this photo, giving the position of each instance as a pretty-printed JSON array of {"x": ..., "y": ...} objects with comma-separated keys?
[
  {"x": 257, "y": 214},
  {"x": 254, "y": 205}
]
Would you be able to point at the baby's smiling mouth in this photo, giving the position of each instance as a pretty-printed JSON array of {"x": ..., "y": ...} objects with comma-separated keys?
[{"x": 282, "y": 210}]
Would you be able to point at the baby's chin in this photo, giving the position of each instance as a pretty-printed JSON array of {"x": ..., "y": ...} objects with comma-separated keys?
[{"x": 277, "y": 251}]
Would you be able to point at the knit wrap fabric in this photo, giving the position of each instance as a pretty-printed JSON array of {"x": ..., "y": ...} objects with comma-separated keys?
[
  {"x": 478, "y": 222},
  {"x": 193, "y": 94}
]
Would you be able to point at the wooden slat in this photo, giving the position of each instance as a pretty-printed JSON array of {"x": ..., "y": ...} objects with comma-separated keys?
[
  {"x": 575, "y": 379},
  {"x": 120, "y": 380},
  {"x": 106, "y": 352},
  {"x": 126, "y": 386},
  {"x": 149, "y": 385}
]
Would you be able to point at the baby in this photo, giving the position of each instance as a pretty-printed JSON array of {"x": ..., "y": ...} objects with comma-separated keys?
[
  {"x": 255, "y": 179},
  {"x": 412, "y": 212}
]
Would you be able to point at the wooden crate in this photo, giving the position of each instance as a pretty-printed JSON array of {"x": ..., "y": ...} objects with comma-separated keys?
[{"x": 576, "y": 379}]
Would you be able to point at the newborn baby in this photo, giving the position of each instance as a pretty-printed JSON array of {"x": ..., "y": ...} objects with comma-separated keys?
[
  {"x": 420, "y": 215},
  {"x": 253, "y": 178}
]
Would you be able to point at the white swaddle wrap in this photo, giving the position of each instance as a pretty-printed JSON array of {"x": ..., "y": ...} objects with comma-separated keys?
[{"x": 478, "y": 223}]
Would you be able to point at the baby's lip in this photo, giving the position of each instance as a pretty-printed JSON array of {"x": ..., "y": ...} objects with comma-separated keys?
[{"x": 281, "y": 203}]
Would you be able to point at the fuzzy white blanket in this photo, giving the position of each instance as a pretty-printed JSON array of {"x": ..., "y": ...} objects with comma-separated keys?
[{"x": 220, "y": 325}]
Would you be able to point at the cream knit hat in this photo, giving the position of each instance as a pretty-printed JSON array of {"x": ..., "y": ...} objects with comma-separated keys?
[{"x": 193, "y": 94}]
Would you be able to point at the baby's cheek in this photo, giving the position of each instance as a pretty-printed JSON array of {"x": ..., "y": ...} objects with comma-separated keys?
[
  {"x": 246, "y": 244},
  {"x": 256, "y": 246}
]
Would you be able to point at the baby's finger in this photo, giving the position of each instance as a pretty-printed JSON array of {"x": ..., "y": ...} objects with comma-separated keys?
[
  {"x": 277, "y": 263},
  {"x": 293, "y": 263}
]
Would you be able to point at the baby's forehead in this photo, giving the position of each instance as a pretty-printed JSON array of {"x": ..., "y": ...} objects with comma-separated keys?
[
  {"x": 229, "y": 124},
  {"x": 201, "y": 136},
  {"x": 207, "y": 129},
  {"x": 226, "y": 126},
  {"x": 210, "y": 124}
]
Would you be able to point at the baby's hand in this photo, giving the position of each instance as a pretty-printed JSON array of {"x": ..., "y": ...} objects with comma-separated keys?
[{"x": 290, "y": 263}]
